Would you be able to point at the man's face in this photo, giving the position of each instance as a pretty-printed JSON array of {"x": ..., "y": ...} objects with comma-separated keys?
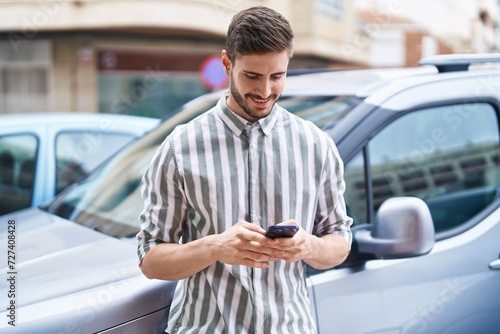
[{"x": 256, "y": 82}]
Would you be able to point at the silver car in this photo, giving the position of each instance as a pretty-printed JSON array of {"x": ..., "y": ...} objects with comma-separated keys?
[
  {"x": 422, "y": 167},
  {"x": 43, "y": 153}
]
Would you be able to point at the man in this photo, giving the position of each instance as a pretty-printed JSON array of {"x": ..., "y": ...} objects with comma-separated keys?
[{"x": 216, "y": 184}]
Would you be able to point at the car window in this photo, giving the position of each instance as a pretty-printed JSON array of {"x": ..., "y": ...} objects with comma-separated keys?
[
  {"x": 324, "y": 111},
  {"x": 355, "y": 194},
  {"x": 78, "y": 152},
  {"x": 18, "y": 156},
  {"x": 446, "y": 155}
]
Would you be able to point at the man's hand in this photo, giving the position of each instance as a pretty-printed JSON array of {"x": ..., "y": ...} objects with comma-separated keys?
[
  {"x": 320, "y": 253},
  {"x": 295, "y": 248},
  {"x": 245, "y": 244}
]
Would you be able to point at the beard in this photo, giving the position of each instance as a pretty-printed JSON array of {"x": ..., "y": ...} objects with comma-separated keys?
[{"x": 257, "y": 113}]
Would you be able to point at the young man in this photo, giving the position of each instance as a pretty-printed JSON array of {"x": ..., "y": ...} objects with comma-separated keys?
[{"x": 216, "y": 184}]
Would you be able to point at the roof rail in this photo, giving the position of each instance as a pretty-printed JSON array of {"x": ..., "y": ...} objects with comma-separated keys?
[
  {"x": 299, "y": 71},
  {"x": 458, "y": 62}
]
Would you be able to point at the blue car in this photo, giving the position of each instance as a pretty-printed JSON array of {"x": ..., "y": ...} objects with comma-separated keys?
[{"x": 43, "y": 153}]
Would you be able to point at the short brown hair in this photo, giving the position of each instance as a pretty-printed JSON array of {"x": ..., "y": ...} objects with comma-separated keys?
[{"x": 258, "y": 30}]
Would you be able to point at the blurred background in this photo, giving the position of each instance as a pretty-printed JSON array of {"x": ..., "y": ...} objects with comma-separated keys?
[{"x": 149, "y": 57}]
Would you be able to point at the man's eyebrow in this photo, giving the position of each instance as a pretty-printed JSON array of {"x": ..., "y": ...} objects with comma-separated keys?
[{"x": 255, "y": 73}]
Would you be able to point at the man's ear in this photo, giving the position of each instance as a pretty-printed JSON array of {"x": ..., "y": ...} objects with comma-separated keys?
[{"x": 226, "y": 61}]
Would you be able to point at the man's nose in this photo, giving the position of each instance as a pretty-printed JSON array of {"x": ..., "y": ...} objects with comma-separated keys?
[{"x": 265, "y": 88}]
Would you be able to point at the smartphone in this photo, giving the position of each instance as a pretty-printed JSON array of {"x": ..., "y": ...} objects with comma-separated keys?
[{"x": 281, "y": 231}]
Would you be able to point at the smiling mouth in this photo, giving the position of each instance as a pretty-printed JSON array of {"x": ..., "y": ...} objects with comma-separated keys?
[{"x": 260, "y": 100}]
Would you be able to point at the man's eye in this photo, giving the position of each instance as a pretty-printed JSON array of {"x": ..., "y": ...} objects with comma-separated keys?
[
  {"x": 277, "y": 76},
  {"x": 252, "y": 77}
]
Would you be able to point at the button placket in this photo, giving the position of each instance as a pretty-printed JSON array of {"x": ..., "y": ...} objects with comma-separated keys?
[{"x": 253, "y": 166}]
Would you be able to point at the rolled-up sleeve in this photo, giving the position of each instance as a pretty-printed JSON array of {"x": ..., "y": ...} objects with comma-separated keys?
[
  {"x": 331, "y": 214},
  {"x": 164, "y": 202}
]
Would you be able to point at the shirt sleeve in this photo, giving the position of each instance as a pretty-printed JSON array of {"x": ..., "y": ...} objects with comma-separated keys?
[
  {"x": 164, "y": 202},
  {"x": 331, "y": 214}
]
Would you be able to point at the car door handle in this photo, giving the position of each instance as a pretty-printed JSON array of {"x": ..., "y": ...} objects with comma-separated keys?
[{"x": 495, "y": 264}]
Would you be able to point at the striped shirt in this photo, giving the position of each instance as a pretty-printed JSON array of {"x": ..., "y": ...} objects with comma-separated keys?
[{"x": 219, "y": 169}]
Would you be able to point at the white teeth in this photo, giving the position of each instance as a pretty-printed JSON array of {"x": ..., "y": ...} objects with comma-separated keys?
[{"x": 261, "y": 101}]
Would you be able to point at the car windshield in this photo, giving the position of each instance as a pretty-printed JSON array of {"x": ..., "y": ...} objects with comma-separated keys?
[{"x": 108, "y": 199}]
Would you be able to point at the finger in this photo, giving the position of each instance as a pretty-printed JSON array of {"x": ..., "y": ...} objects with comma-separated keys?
[
  {"x": 285, "y": 243},
  {"x": 254, "y": 259},
  {"x": 251, "y": 227},
  {"x": 272, "y": 253}
]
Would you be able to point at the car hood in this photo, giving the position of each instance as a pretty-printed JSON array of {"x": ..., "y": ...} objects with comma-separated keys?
[
  {"x": 56, "y": 257},
  {"x": 60, "y": 266}
]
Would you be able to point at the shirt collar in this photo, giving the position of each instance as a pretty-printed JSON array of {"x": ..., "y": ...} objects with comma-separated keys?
[{"x": 237, "y": 123}]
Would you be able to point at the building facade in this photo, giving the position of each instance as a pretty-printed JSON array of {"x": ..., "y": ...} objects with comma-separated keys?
[
  {"x": 141, "y": 57},
  {"x": 149, "y": 57}
]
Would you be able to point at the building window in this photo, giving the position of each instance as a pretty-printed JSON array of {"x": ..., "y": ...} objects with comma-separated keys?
[{"x": 25, "y": 71}]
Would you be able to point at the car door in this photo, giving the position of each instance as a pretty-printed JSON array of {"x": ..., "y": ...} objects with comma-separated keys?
[{"x": 447, "y": 155}]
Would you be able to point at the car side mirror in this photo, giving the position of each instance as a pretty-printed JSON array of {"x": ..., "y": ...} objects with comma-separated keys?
[{"x": 403, "y": 228}]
